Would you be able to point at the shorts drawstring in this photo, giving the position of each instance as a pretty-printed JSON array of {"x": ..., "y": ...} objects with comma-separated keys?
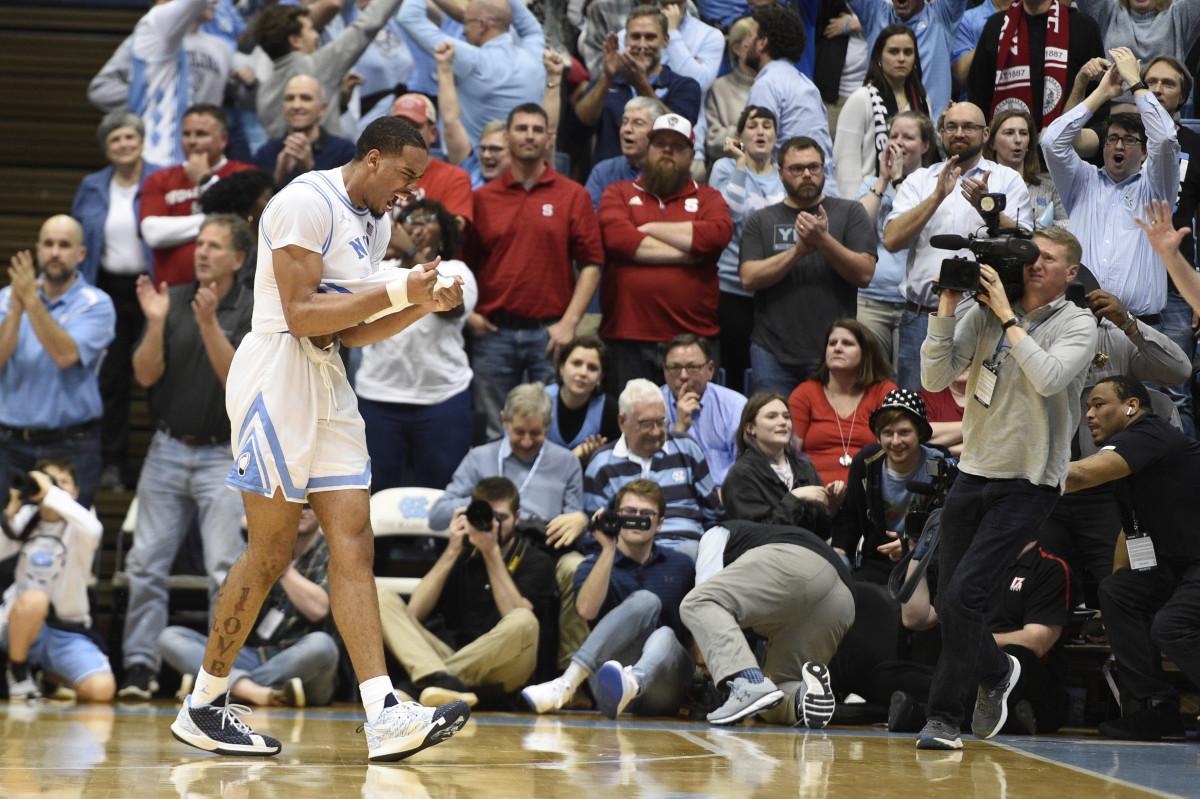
[{"x": 323, "y": 358}]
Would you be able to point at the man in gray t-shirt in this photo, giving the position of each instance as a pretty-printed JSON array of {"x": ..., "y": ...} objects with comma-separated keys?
[{"x": 805, "y": 260}]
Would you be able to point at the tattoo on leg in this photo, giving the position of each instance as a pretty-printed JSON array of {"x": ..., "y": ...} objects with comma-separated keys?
[{"x": 240, "y": 607}]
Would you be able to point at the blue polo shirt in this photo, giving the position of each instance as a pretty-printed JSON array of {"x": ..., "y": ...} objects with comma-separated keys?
[
  {"x": 679, "y": 93},
  {"x": 34, "y": 392},
  {"x": 667, "y": 574}
]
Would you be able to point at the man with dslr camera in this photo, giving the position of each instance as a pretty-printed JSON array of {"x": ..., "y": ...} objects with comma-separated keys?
[
  {"x": 1026, "y": 369},
  {"x": 632, "y": 589},
  {"x": 46, "y": 554},
  {"x": 491, "y": 587}
]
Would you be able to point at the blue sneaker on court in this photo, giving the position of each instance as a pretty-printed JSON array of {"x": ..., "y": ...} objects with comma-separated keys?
[
  {"x": 217, "y": 728},
  {"x": 617, "y": 687},
  {"x": 406, "y": 728}
]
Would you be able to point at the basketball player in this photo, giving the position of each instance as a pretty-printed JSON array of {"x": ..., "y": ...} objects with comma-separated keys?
[{"x": 298, "y": 435}]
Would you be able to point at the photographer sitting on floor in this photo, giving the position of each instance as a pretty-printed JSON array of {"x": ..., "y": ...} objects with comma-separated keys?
[
  {"x": 44, "y": 615},
  {"x": 489, "y": 590},
  {"x": 634, "y": 588}
]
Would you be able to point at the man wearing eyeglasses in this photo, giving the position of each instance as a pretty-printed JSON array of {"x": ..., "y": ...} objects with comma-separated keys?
[
  {"x": 1104, "y": 203},
  {"x": 635, "y": 656},
  {"x": 647, "y": 449},
  {"x": 805, "y": 260},
  {"x": 706, "y": 411},
  {"x": 944, "y": 199}
]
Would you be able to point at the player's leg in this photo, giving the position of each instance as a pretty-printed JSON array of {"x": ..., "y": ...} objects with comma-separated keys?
[
  {"x": 205, "y": 720},
  {"x": 394, "y": 730}
]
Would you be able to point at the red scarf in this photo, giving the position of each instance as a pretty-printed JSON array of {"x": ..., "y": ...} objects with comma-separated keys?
[{"x": 1013, "y": 87}]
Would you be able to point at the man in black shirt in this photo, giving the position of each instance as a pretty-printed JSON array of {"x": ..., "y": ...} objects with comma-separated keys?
[
  {"x": 1151, "y": 602},
  {"x": 183, "y": 359},
  {"x": 489, "y": 590}
]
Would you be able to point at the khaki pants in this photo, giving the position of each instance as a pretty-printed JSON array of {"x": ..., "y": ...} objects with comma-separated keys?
[
  {"x": 505, "y": 655},
  {"x": 572, "y": 629},
  {"x": 784, "y": 592}
]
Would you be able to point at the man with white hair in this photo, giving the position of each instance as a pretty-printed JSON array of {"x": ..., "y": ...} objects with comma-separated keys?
[{"x": 672, "y": 460}]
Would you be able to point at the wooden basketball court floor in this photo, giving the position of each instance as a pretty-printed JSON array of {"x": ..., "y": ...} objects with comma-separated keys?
[{"x": 63, "y": 750}]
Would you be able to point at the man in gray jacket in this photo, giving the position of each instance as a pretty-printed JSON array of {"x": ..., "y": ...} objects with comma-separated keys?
[
  {"x": 1026, "y": 370},
  {"x": 287, "y": 35}
]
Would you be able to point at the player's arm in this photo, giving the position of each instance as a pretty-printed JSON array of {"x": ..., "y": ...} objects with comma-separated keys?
[
  {"x": 444, "y": 299},
  {"x": 310, "y": 313}
]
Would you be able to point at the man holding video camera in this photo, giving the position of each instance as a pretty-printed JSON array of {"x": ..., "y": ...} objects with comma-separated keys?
[
  {"x": 487, "y": 593},
  {"x": 632, "y": 589},
  {"x": 1026, "y": 368},
  {"x": 944, "y": 199}
]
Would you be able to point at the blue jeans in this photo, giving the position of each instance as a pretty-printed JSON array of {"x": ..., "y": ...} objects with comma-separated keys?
[
  {"x": 503, "y": 360},
  {"x": 769, "y": 375},
  {"x": 82, "y": 450},
  {"x": 313, "y": 658},
  {"x": 177, "y": 483},
  {"x": 985, "y": 525},
  {"x": 629, "y": 633},
  {"x": 913, "y": 329},
  {"x": 684, "y": 546},
  {"x": 1177, "y": 325},
  {"x": 416, "y": 445}
]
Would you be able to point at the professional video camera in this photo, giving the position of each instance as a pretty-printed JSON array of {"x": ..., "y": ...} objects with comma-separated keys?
[
  {"x": 610, "y": 522},
  {"x": 1005, "y": 249}
]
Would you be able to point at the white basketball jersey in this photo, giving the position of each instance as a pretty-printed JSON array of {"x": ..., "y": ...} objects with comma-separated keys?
[{"x": 314, "y": 212}]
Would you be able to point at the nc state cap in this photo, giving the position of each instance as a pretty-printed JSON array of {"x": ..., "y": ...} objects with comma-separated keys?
[{"x": 675, "y": 124}]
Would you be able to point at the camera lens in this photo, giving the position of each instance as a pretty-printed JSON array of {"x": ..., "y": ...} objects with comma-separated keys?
[{"x": 480, "y": 515}]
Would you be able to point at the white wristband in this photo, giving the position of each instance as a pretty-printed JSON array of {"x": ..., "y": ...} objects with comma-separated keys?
[{"x": 397, "y": 290}]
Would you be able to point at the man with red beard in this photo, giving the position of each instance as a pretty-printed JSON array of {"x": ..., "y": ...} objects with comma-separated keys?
[
  {"x": 805, "y": 260},
  {"x": 666, "y": 220}
]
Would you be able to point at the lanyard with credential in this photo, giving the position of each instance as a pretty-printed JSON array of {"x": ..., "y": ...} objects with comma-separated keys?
[
  {"x": 994, "y": 362},
  {"x": 505, "y": 451}
]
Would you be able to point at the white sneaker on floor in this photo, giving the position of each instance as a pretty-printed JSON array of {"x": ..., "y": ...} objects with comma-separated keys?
[
  {"x": 406, "y": 728},
  {"x": 548, "y": 696}
]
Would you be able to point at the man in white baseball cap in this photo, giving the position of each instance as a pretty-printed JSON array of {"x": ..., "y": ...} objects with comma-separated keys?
[{"x": 665, "y": 219}]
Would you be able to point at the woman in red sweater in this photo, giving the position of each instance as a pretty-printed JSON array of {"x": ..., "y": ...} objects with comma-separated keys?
[{"x": 830, "y": 410}]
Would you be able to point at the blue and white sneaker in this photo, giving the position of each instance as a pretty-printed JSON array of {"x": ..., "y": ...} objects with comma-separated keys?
[
  {"x": 617, "y": 687},
  {"x": 406, "y": 728},
  {"x": 217, "y": 728}
]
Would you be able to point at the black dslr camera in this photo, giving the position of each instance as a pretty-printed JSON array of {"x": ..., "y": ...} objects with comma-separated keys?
[
  {"x": 941, "y": 472},
  {"x": 480, "y": 515},
  {"x": 610, "y": 522},
  {"x": 1007, "y": 250},
  {"x": 25, "y": 486}
]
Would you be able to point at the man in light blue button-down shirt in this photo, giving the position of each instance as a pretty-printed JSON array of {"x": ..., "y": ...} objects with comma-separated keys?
[
  {"x": 498, "y": 67},
  {"x": 53, "y": 331},
  {"x": 1103, "y": 203},
  {"x": 944, "y": 199}
]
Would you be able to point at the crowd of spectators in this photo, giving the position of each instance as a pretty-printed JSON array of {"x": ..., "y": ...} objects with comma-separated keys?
[{"x": 699, "y": 267}]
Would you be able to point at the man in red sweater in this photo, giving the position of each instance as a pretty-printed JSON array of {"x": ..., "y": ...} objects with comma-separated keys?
[
  {"x": 448, "y": 184},
  {"x": 662, "y": 235},
  {"x": 532, "y": 223},
  {"x": 171, "y": 216}
]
